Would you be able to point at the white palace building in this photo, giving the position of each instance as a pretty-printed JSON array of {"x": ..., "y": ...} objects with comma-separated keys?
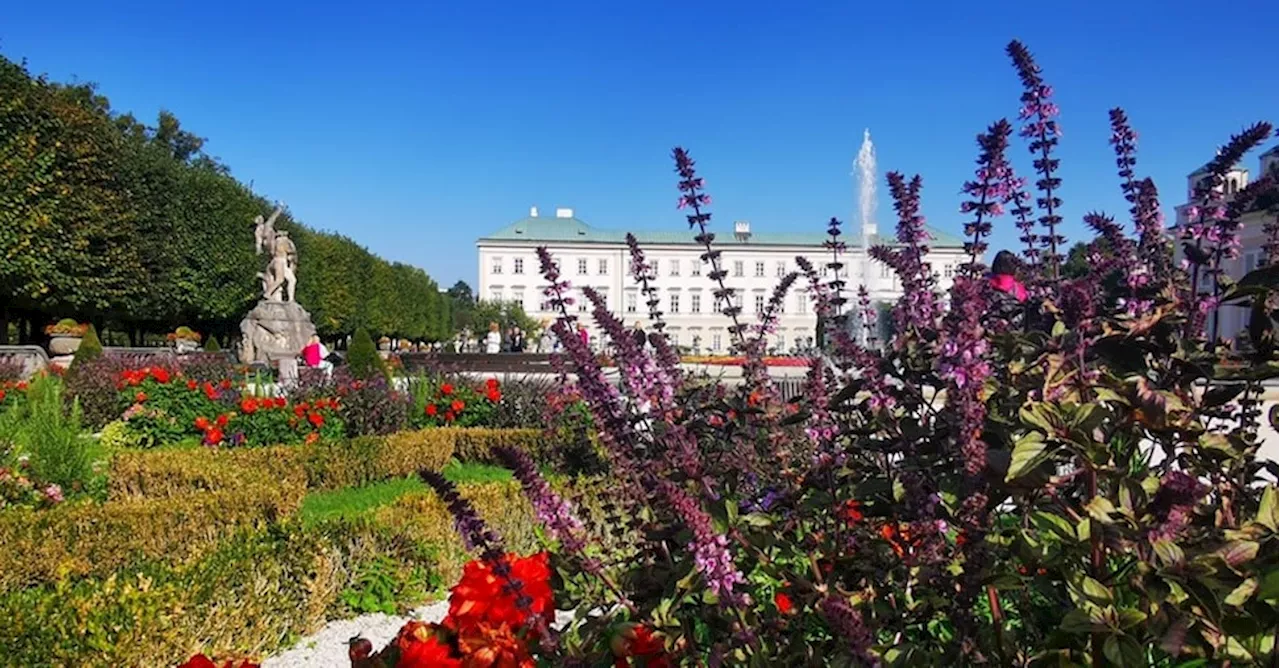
[{"x": 754, "y": 261}]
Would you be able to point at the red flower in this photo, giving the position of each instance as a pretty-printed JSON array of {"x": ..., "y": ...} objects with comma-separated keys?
[
  {"x": 448, "y": 416},
  {"x": 482, "y": 597},
  {"x": 1, "y": 395},
  {"x": 281, "y": 402},
  {"x": 221, "y": 421},
  {"x": 192, "y": 384},
  {"x": 248, "y": 405},
  {"x": 266, "y": 403},
  {"x": 638, "y": 640},
  {"x": 160, "y": 374},
  {"x": 213, "y": 436},
  {"x": 446, "y": 389},
  {"x": 851, "y": 513},
  {"x": 493, "y": 395},
  {"x": 487, "y": 645},
  {"x": 202, "y": 423},
  {"x": 140, "y": 397},
  {"x": 315, "y": 419},
  {"x": 312, "y": 438},
  {"x": 457, "y": 405},
  {"x": 209, "y": 391},
  {"x": 432, "y": 410},
  {"x": 783, "y": 602},
  {"x": 225, "y": 384},
  {"x": 202, "y": 661},
  {"x": 420, "y": 647},
  {"x": 300, "y": 409},
  {"x": 491, "y": 384}
]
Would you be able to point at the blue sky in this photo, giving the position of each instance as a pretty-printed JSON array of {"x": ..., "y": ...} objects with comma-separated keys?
[{"x": 415, "y": 129}]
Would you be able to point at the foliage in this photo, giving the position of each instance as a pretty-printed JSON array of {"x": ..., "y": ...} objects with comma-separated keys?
[
  {"x": 43, "y": 452},
  {"x": 93, "y": 383},
  {"x": 378, "y": 587},
  {"x": 1070, "y": 480},
  {"x": 184, "y": 333},
  {"x": 90, "y": 349},
  {"x": 103, "y": 216},
  {"x": 363, "y": 360},
  {"x": 212, "y": 346}
]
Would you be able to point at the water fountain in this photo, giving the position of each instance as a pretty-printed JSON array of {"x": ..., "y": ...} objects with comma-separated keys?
[{"x": 864, "y": 172}]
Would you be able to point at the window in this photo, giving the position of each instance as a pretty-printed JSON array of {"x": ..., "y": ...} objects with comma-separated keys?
[
  {"x": 695, "y": 267},
  {"x": 675, "y": 302},
  {"x": 715, "y": 342},
  {"x": 582, "y": 302},
  {"x": 695, "y": 303},
  {"x": 737, "y": 300},
  {"x": 631, "y": 301},
  {"x": 884, "y": 270},
  {"x": 782, "y": 269},
  {"x": 737, "y": 268},
  {"x": 675, "y": 267},
  {"x": 802, "y": 303},
  {"x": 1252, "y": 260},
  {"x": 759, "y": 270},
  {"x": 582, "y": 266},
  {"x": 760, "y": 302},
  {"x": 604, "y": 296},
  {"x": 826, "y": 271},
  {"x": 497, "y": 266},
  {"x": 495, "y": 294},
  {"x": 518, "y": 298},
  {"x": 544, "y": 304},
  {"x": 602, "y": 267},
  {"x": 517, "y": 265}
]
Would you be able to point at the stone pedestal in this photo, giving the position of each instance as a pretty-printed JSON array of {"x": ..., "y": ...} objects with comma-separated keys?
[{"x": 273, "y": 330}]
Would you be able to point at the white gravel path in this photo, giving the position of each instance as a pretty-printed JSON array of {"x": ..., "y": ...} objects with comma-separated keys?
[{"x": 327, "y": 648}]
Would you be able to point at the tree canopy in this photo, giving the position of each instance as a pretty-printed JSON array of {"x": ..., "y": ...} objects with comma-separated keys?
[{"x": 134, "y": 227}]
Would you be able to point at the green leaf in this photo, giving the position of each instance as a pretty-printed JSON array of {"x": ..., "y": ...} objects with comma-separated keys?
[
  {"x": 1096, "y": 592},
  {"x": 1039, "y": 416},
  {"x": 1028, "y": 453},
  {"x": 1270, "y": 586},
  {"x": 1083, "y": 530},
  {"x": 1124, "y": 651},
  {"x": 1239, "y": 552},
  {"x": 1168, "y": 552},
  {"x": 1046, "y": 521},
  {"x": 1078, "y": 621},
  {"x": 1130, "y": 617},
  {"x": 1100, "y": 509},
  {"x": 1241, "y": 594},
  {"x": 1267, "y": 510}
]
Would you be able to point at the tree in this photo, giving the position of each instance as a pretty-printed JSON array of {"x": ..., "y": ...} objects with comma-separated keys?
[{"x": 363, "y": 359}]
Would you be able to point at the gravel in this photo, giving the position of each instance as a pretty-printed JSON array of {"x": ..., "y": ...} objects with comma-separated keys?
[{"x": 327, "y": 648}]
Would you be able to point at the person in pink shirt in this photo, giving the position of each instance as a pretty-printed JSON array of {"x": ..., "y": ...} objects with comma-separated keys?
[
  {"x": 311, "y": 353},
  {"x": 583, "y": 336},
  {"x": 1004, "y": 276}
]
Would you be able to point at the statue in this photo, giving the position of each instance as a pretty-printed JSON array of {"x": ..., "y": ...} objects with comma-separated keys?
[
  {"x": 264, "y": 231},
  {"x": 278, "y": 327},
  {"x": 281, "y": 280}
]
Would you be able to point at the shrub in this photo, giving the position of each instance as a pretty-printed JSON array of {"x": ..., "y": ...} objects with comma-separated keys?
[
  {"x": 371, "y": 406},
  {"x": 407, "y": 452},
  {"x": 46, "y": 433},
  {"x": 93, "y": 383},
  {"x": 83, "y": 537},
  {"x": 66, "y": 327},
  {"x": 90, "y": 349},
  {"x": 476, "y": 445},
  {"x": 442, "y": 401},
  {"x": 363, "y": 360},
  {"x": 11, "y": 369},
  {"x": 523, "y": 405},
  {"x": 211, "y": 346}
]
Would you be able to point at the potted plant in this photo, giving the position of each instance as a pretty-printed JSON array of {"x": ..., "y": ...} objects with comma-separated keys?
[
  {"x": 184, "y": 340},
  {"x": 65, "y": 336}
]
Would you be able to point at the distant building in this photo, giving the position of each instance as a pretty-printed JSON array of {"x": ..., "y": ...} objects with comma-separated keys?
[
  {"x": 1252, "y": 237},
  {"x": 754, "y": 261}
]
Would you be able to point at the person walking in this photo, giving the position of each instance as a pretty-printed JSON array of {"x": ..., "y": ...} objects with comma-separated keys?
[
  {"x": 517, "y": 340},
  {"x": 493, "y": 340}
]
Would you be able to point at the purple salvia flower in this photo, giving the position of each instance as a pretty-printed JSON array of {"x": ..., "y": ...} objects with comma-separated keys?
[
  {"x": 963, "y": 365},
  {"x": 846, "y": 623},
  {"x": 1038, "y": 113},
  {"x": 710, "y": 549},
  {"x": 476, "y": 535},
  {"x": 642, "y": 273},
  {"x": 552, "y": 510},
  {"x": 1152, "y": 261},
  {"x": 919, "y": 308},
  {"x": 692, "y": 196},
  {"x": 987, "y": 193}
]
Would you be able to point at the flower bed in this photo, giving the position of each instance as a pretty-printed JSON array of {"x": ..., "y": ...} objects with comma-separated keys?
[{"x": 730, "y": 360}]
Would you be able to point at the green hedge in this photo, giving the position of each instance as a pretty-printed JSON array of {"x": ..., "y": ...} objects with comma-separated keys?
[
  {"x": 88, "y": 538},
  {"x": 255, "y": 593}
]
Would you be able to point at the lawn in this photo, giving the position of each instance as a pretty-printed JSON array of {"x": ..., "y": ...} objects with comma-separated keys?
[{"x": 355, "y": 501}]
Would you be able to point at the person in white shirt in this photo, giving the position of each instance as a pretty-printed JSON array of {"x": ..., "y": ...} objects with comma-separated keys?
[{"x": 493, "y": 340}]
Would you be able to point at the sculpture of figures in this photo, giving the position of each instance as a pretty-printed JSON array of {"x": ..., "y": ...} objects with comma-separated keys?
[
  {"x": 281, "y": 281},
  {"x": 264, "y": 231}
]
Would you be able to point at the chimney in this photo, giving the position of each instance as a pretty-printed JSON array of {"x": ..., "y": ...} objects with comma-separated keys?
[
  {"x": 564, "y": 213},
  {"x": 742, "y": 229},
  {"x": 533, "y": 212}
]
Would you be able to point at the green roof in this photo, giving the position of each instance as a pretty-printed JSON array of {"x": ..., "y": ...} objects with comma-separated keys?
[{"x": 550, "y": 230}]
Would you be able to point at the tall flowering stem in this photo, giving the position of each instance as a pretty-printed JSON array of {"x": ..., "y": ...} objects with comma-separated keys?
[
  {"x": 836, "y": 246},
  {"x": 475, "y": 533},
  {"x": 642, "y": 272},
  {"x": 1154, "y": 254},
  {"x": 1210, "y": 234},
  {"x": 710, "y": 548},
  {"x": 918, "y": 309},
  {"x": 987, "y": 194},
  {"x": 848, "y": 626},
  {"x": 1041, "y": 128},
  {"x": 692, "y": 196}
]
